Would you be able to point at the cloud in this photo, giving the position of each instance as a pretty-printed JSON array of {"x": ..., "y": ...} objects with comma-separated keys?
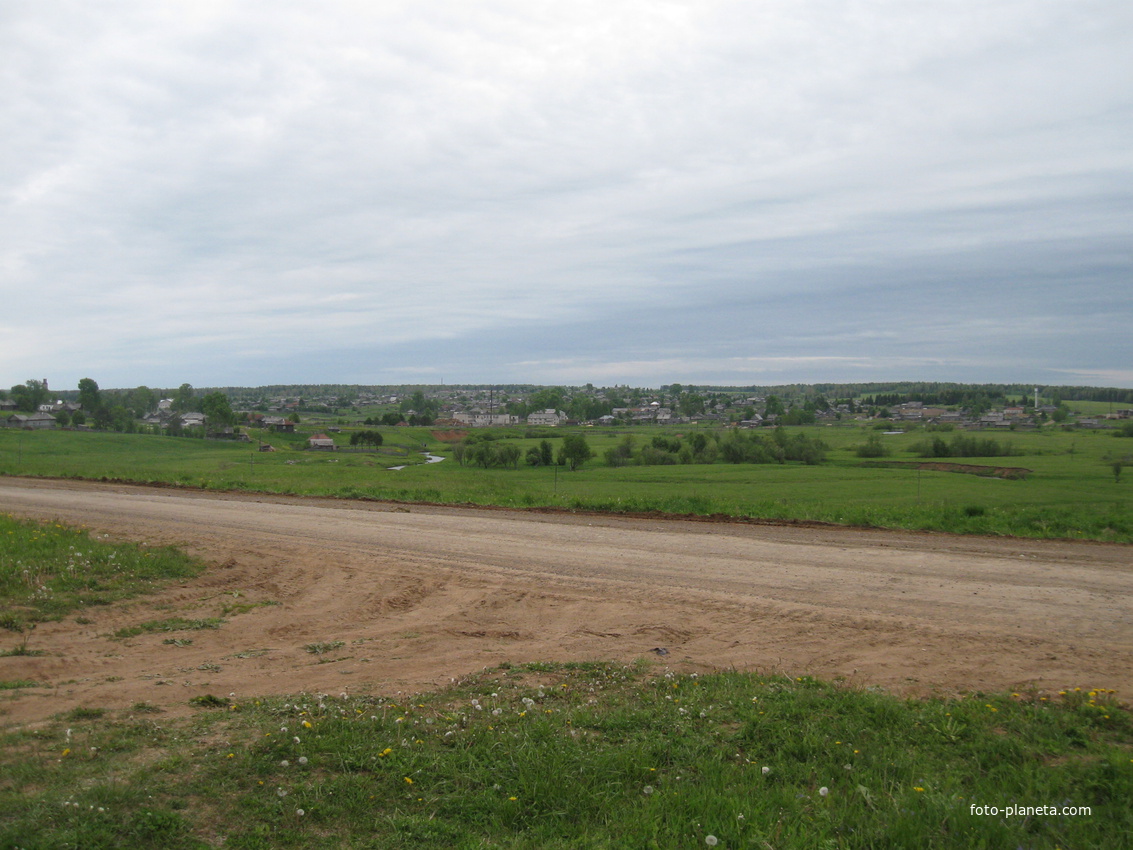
[{"x": 247, "y": 193}]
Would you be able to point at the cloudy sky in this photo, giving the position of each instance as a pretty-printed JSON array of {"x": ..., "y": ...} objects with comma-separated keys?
[{"x": 755, "y": 192}]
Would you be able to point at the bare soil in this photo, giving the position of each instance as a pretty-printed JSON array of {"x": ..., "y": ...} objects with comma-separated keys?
[{"x": 420, "y": 595}]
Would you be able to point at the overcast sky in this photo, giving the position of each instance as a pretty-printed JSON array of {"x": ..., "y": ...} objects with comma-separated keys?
[{"x": 619, "y": 192}]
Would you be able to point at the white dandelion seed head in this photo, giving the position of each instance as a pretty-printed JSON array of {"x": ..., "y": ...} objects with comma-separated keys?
[
  {"x": 823, "y": 791},
  {"x": 766, "y": 770},
  {"x": 647, "y": 790},
  {"x": 300, "y": 812},
  {"x": 302, "y": 759},
  {"x": 285, "y": 763},
  {"x": 711, "y": 840}
]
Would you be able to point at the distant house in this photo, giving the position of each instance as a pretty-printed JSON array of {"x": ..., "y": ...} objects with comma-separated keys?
[
  {"x": 320, "y": 442},
  {"x": 546, "y": 417},
  {"x": 278, "y": 424},
  {"x": 31, "y": 421}
]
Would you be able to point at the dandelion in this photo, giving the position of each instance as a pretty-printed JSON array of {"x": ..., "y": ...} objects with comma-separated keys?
[
  {"x": 285, "y": 763},
  {"x": 408, "y": 781},
  {"x": 302, "y": 759},
  {"x": 823, "y": 791},
  {"x": 711, "y": 840},
  {"x": 918, "y": 789},
  {"x": 300, "y": 812},
  {"x": 647, "y": 790},
  {"x": 307, "y": 724},
  {"x": 766, "y": 770}
]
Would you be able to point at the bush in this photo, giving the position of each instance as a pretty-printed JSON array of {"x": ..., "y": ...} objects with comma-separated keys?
[
  {"x": 873, "y": 447},
  {"x": 964, "y": 446}
]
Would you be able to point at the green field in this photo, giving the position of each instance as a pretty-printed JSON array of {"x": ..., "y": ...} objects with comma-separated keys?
[{"x": 1069, "y": 491}]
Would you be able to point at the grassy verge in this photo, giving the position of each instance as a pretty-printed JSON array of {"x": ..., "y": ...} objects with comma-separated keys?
[
  {"x": 580, "y": 755},
  {"x": 48, "y": 570}
]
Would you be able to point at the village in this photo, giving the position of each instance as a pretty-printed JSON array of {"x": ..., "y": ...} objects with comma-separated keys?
[{"x": 464, "y": 408}]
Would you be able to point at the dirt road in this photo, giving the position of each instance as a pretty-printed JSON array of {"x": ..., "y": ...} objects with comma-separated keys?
[{"x": 418, "y": 595}]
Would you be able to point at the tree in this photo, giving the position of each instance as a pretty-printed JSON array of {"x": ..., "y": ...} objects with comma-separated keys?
[
  {"x": 217, "y": 410},
  {"x": 141, "y": 400},
  {"x": 548, "y": 398},
  {"x": 509, "y": 456},
  {"x": 183, "y": 398},
  {"x": 29, "y": 395},
  {"x": 774, "y": 406},
  {"x": 574, "y": 451},
  {"x": 90, "y": 397},
  {"x": 366, "y": 438}
]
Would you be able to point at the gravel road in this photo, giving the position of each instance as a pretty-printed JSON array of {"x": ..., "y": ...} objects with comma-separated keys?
[{"x": 422, "y": 594}]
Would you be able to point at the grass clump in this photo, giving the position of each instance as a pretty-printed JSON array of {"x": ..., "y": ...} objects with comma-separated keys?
[
  {"x": 323, "y": 647},
  {"x": 170, "y": 624},
  {"x": 583, "y": 755},
  {"x": 48, "y": 570}
]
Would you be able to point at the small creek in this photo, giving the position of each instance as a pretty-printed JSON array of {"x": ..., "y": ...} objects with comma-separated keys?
[{"x": 429, "y": 458}]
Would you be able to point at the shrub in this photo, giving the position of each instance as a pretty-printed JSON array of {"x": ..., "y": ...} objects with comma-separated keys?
[{"x": 873, "y": 447}]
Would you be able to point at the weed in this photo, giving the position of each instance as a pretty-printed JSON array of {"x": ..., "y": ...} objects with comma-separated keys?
[
  {"x": 208, "y": 701},
  {"x": 583, "y": 755},
  {"x": 324, "y": 647},
  {"x": 170, "y": 624},
  {"x": 16, "y": 684},
  {"x": 81, "y": 713}
]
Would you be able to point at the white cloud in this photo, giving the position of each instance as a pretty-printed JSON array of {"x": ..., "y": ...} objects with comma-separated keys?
[{"x": 307, "y": 178}]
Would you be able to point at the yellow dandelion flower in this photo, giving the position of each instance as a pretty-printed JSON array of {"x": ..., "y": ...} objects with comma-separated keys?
[{"x": 408, "y": 781}]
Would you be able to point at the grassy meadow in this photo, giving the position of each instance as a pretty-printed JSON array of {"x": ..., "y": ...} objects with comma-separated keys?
[
  {"x": 1069, "y": 491},
  {"x": 584, "y": 754}
]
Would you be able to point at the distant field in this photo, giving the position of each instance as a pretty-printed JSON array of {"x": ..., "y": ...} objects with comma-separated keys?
[{"x": 1070, "y": 490}]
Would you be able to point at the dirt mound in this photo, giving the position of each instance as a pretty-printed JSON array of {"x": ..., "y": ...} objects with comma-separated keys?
[{"x": 449, "y": 436}]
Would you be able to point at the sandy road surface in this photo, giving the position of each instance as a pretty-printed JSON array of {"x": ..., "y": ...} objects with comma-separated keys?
[{"x": 419, "y": 595}]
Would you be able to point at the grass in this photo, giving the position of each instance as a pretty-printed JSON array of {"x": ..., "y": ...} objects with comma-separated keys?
[
  {"x": 48, "y": 570},
  {"x": 170, "y": 624},
  {"x": 1069, "y": 492},
  {"x": 580, "y": 755}
]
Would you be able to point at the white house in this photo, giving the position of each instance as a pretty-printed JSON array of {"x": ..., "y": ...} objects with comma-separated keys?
[{"x": 546, "y": 417}]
